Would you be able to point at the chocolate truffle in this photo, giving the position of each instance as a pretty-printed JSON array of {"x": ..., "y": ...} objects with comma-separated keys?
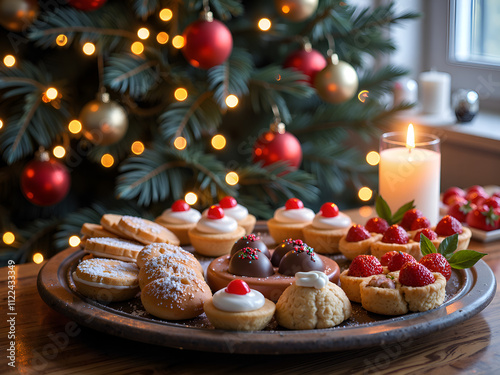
[
  {"x": 301, "y": 259},
  {"x": 250, "y": 262},
  {"x": 253, "y": 241},
  {"x": 283, "y": 248}
]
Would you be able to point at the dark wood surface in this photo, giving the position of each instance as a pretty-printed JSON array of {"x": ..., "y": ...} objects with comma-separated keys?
[{"x": 49, "y": 343}]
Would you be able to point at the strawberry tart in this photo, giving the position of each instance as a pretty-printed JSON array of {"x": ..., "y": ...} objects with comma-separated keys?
[
  {"x": 396, "y": 238},
  {"x": 357, "y": 241},
  {"x": 361, "y": 269}
]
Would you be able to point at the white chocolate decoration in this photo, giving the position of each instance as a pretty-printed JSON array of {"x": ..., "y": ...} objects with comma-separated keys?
[
  {"x": 101, "y": 285},
  {"x": 224, "y": 225},
  {"x": 237, "y": 212},
  {"x": 180, "y": 217},
  {"x": 238, "y": 302},
  {"x": 299, "y": 215},
  {"x": 338, "y": 222},
  {"x": 311, "y": 279}
]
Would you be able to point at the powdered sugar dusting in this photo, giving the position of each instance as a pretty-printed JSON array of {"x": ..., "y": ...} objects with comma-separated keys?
[
  {"x": 99, "y": 268},
  {"x": 142, "y": 224},
  {"x": 116, "y": 242}
]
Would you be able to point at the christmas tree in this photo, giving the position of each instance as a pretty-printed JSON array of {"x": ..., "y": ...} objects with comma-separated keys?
[{"x": 124, "y": 107}]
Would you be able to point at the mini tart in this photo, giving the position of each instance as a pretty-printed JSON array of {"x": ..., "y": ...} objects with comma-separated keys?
[
  {"x": 107, "y": 280},
  {"x": 352, "y": 249},
  {"x": 427, "y": 297},
  {"x": 214, "y": 244},
  {"x": 281, "y": 231},
  {"x": 176, "y": 253},
  {"x": 254, "y": 320},
  {"x": 351, "y": 285},
  {"x": 383, "y": 301},
  {"x": 114, "y": 248},
  {"x": 179, "y": 230},
  {"x": 163, "y": 266},
  {"x": 248, "y": 223},
  {"x": 463, "y": 239},
  {"x": 379, "y": 248},
  {"x": 324, "y": 241}
]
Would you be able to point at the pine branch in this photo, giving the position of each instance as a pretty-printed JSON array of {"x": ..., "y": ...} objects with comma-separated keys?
[
  {"x": 225, "y": 9},
  {"x": 145, "y": 8}
]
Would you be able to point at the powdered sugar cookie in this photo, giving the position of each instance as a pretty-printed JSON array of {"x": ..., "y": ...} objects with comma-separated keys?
[
  {"x": 176, "y": 253},
  {"x": 163, "y": 266},
  {"x": 146, "y": 231},
  {"x": 114, "y": 248}
]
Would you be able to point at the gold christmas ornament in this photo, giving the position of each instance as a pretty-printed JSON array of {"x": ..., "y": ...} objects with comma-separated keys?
[
  {"x": 296, "y": 10},
  {"x": 337, "y": 82},
  {"x": 104, "y": 122},
  {"x": 17, "y": 15}
]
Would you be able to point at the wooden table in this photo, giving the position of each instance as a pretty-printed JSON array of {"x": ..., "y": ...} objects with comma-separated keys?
[{"x": 49, "y": 343}]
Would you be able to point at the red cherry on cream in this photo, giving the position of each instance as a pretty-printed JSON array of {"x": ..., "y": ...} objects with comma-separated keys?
[
  {"x": 228, "y": 202},
  {"x": 215, "y": 212},
  {"x": 238, "y": 286},
  {"x": 294, "y": 204},
  {"x": 180, "y": 205},
  {"x": 329, "y": 209}
]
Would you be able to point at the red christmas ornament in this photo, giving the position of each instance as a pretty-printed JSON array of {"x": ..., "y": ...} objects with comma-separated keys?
[
  {"x": 278, "y": 145},
  {"x": 45, "y": 181},
  {"x": 208, "y": 42},
  {"x": 87, "y": 5},
  {"x": 306, "y": 60}
]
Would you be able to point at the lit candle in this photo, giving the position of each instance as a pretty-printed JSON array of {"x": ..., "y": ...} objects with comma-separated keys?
[
  {"x": 434, "y": 93},
  {"x": 411, "y": 170}
]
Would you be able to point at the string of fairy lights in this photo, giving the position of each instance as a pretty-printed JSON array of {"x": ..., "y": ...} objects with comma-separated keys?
[{"x": 218, "y": 141}]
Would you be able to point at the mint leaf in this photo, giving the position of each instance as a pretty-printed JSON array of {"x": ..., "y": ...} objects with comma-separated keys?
[
  {"x": 396, "y": 218},
  {"x": 383, "y": 210},
  {"x": 465, "y": 259},
  {"x": 426, "y": 246},
  {"x": 448, "y": 246}
]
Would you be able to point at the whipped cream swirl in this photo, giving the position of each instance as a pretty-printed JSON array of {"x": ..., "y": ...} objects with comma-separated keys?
[
  {"x": 238, "y": 302},
  {"x": 224, "y": 225},
  {"x": 311, "y": 279},
  {"x": 180, "y": 217},
  {"x": 337, "y": 222},
  {"x": 237, "y": 212},
  {"x": 298, "y": 215}
]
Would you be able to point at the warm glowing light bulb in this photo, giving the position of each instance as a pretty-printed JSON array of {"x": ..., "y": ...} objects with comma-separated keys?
[
  {"x": 218, "y": 141},
  {"x": 373, "y": 158},
  {"x": 365, "y": 211},
  {"x": 232, "y": 178},
  {"x": 137, "y": 48},
  {"x": 190, "y": 198},
  {"x": 363, "y": 95},
  {"x": 51, "y": 93},
  {"x": 143, "y": 33},
  {"x": 74, "y": 241},
  {"x": 88, "y": 48},
  {"x": 410, "y": 137},
  {"x": 181, "y": 94},
  {"x": 9, "y": 61},
  {"x": 75, "y": 127},
  {"x": 1, "y": 124},
  {"x": 264, "y": 24},
  {"x": 107, "y": 160},
  {"x": 37, "y": 258},
  {"x": 8, "y": 238},
  {"x": 178, "y": 41},
  {"x": 162, "y": 37},
  {"x": 61, "y": 40},
  {"x": 166, "y": 14},
  {"x": 59, "y": 152},
  {"x": 180, "y": 143},
  {"x": 285, "y": 9},
  {"x": 137, "y": 147},
  {"x": 365, "y": 194},
  {"x": 231, "y": 101}
]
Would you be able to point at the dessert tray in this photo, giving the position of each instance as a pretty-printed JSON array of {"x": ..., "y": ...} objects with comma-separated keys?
[{"x": 467, "y": 293}]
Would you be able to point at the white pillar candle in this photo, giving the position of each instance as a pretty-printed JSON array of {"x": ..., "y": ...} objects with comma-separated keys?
[
  {"x": 434, "y": 93},
  {"x": 407, "y": 174}
]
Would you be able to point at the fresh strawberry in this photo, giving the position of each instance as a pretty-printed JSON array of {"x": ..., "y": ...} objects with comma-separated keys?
[
  {"x": 420, "y": 223},
  {"x": 395, "y": 234},
  {"x": 452, "y": 192},
  {"x": 387, "y": 257},
  {"x": 456, "y": 199},
  {"x": 357, "y": 233},
  {"x": 493, "y": 202},
  {"x": 364, "y": 266},
  {"x": 447, "y": 226},
  {"x": 435, "y": 262},
  {"x": 376, "y": 225},
  {"x": 477, "y": 196},
  {"x": 475, "y": 188},
  {"x": 459, "y": 210},
  {"x": 427, "y": 232},
  {"x": 409, "y": 217},
  {"x": 483, "y": 217},
  {"x": 399, "y": 260},
  {"x": 415, "y": 274}
]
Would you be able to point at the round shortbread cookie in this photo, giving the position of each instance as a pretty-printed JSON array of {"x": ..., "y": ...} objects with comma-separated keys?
[
  {"x": 110, "y": 223},
  {"x": 146, "y": 231},
  {"x": 163, "y": 266},
  {"x": 107, "y": 280},
  {"x": 96, "y": 230},
  {"x": 176, "y": 253},
  {"x": 114, "y": 248}
]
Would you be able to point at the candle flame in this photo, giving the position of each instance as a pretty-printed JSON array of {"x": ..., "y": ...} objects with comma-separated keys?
[{"x": 410, "y": 137}]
